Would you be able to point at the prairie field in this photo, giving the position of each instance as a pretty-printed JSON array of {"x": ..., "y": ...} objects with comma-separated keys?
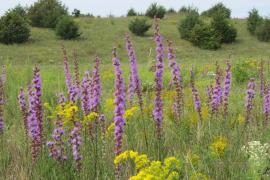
[{"x": 202, "y": 139}]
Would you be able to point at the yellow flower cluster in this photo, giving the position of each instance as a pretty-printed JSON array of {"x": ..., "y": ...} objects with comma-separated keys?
[
  {"x": 67, "y": 112},
  {"x": 241, "y": 119},
  {"x": 109, "y": 104},
  {"x": 151, "y": 169},
  {"x": 198, "y": 176},
  {"x": 89, "y": 118},
  {"x": 130, "y": 112},
  {"x": 219, "y": 145}
]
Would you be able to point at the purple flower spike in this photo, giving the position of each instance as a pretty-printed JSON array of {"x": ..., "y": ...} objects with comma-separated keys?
[
  {"x": 67, "y": 73},
  {"x": 96, "y": 84},
  {"x": 134, "y": 79},
  {"x": 217, "y": 91},
  {"x": 2, "y": 102},
  {"x": 250, "y": 94},
  {"x": 177, "y": 80},
  {"x": 23, "y": 108},
  {"x": 227, "y": 87},
  {"x": 119, "y": 104},
  {"x": 195, "y": 96},
  {"x": 266, "y": 106},
  {"x": 85, "y": 94},
  {"x": 158, "y": 110}
]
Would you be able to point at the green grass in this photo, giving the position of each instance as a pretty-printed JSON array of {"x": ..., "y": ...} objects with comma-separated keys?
[{"x": 99, "y": 36}]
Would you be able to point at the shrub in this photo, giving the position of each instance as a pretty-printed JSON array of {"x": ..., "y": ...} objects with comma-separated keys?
[
  {"x": 76, "y": 13},
  {"x": 243, "y": 71},
  {"x": 224, "y": 29},
  {"x": 21, "y": 11},
  {"x": 131, "y": 12},
  {"x": 45, "y": 13},
  {"x": 155, "y": 11},
  {"x": 139, "y": 26},
  {"x": 218, "y": 9},
  {"x": 171, "y": 11},
  {"x": 66, "y": 28},
  {"x": 205, "y": 37},
  {"x": 253, "y": 21},
  {"x": 187, "y": 24},
  {"x": 14, "y": 28},
  {"x": 263, "y": 31},
  {"x": 188, "y": 10}
]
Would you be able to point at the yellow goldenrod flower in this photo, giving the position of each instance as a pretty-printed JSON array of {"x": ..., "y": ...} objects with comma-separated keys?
[
  {"x": 130, "y": 112},
  {"x": 241, "y": 119},
  {"x": 89, "y": 118},
  {"x": 219, "y": 145},
  {"x": 198, "y": 176},
  {"x": 110, "y": 129}
]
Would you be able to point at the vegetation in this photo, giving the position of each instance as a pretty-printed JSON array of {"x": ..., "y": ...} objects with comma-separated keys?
[
  {"x": 155, "y": 10},
  {"x": 131, "y": 12},
  {"x": 76, "y": 13},
  {"x": 187, "y": 24},
  {"x": 253, "y": 21},
  {"x": 188, "y": 10},
  {"x": 67, "y": 28},
  {"x": 263, "y": 31},
  {"x": 218, "y": 9},
  {"x": 139, "y": 26},
  {"x": 14, "y": 27},
  {"x": 205, "y": 36},
  {"x": 224, "y": 29},
  {"x": 45, "y": 13}
]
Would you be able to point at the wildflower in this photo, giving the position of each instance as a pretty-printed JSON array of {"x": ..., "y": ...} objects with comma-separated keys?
[
  {"x": 177, "y": 80},
  {"x": 241, "y": 119},
  {"x": 75, "y": 141},
  {"x": 250, "y": 94},
  {"x": 23, "y": 108},
  {"x": 219, "y": 145},
  {"x": 130, "y": 112},
  {"x": 209, "y": 94},
  {"x": 85, "y": 94},
  {"x": 77, "y": 75},
  {"x": 217, "y": 91},
  {"x": 266, "y": 106},
  {"x": 204, "y": 112},
  {"x": 1, "y": 106},
  {"x": 262, "y": 81},
  {"x": 67, "y": 113},
  {"x": 196, "y": 98},
  {"x": 110, "y": 129},
  {"x": 89, "y": 118},
  {"x": 95, "y": 100},
  {"x": 119, "y": 104},
  {"x": 158, "y": 110},
  {"x": 134, "y": 79},
  {"x": 227, "y": 86},
  {"x": 198, "y": 176}
]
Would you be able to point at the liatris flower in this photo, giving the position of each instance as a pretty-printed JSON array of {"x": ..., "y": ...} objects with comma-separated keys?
[
  {"x": 177, "y": 79},
  {"x": 75, "y": 141},
  {"x": 67, "y": 73},
  {"x": 134, "y": 79},
  {"x": 2, "y": 101},
  {"x": 33, "y": 124},
  {"x": 227, "y": 87},
  {"x": 96, "y": 94},
  {"x": 130, "y": 89},
  {"x": 85, "y": 94},
  {"x": 209, "y": 94},
  {"x": 38, "y": 104},
  {"x": 119, "y": 104},
  {"x": 266, "y": 106},
  {"x": 262, "y": 81},
  {"x": 56, "y": 147},
  {"x": 158, "y": 110},
  {"x": 103, "y": 133},
  {"x": 3, "y": 76},
  {"x": 23, "y": 108},
  {"x": 195, "y": 95},
  {"x": 77, "y": 74},
  {"x": 217, "y": 91},
  {"x": 249, "y": 99}
]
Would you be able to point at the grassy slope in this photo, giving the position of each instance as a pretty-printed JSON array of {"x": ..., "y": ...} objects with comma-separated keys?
[{"x": 100, "y": 35}]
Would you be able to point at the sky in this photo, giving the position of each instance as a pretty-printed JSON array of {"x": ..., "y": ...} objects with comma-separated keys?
[{"x": 239, "y": 8}]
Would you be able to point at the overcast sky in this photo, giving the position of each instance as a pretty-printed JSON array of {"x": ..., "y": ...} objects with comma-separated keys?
[{"x": 239, "y": 8}]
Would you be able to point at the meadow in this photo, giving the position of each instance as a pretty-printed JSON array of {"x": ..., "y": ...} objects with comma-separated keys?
[{"x": 197, "y": 141}]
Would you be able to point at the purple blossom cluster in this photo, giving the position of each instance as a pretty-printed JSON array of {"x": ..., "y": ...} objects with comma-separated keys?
[
  {"x": 227, "y": 87},
  {"x": 75, "y": 141},
  {"x": 85, "y": 94},
  {"x": 209, "y": 90},
  {"x": 23, "y": 109},
  {"x": 119, "y": 104},
  {"x": 217, "y": 91},
  {"x": 77, "y": 75},
  {"x": 2, "y": 98},
  {"x": 56, "y": 147},
  {"x": 134, "y": 79},
  {"x": 158, "y": 109},
  {"x": 177, "y": 80},
  {"x": 96, "y": 85},
  {"x": 266, "y": 105},
  {"x": 250, "y": 94},
  {"x": 195, "y": 95}
]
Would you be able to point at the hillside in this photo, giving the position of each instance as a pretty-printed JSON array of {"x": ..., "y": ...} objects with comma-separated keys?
[{"x": 101, "y": 34}]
